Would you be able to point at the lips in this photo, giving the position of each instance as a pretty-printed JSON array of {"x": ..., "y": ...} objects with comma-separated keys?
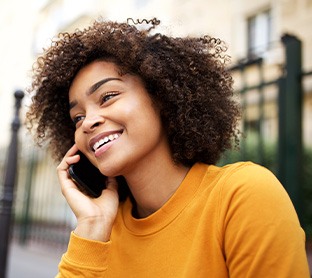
[{"x": 104, "y": 138}]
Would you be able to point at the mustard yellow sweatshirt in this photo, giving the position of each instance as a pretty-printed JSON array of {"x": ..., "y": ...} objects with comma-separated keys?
[{"x": 233, "y": 221}]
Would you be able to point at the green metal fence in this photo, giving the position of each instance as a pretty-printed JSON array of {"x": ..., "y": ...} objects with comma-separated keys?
[
  {"x": 272, "y": 121},
  {"x": 42, "y": 215}
]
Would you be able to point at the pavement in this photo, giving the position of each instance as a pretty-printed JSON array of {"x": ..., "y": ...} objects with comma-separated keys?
[
  {"x": 40, "y": 261},
  {"x": 33, "y": 261}
]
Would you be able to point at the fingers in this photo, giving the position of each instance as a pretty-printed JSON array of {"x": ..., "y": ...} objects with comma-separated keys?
[
  {"x": 68, "y": 187},
  {"x": 69, "y": 158},
  {"x": 62, "y": 170},
  {"x": 90, "y": 212}
]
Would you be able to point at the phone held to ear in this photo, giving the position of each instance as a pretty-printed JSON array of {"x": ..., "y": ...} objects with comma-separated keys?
[{"x": 87, "y": 177}]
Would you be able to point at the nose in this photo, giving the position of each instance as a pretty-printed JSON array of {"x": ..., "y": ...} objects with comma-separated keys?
[{"x": 91, "y": 122}]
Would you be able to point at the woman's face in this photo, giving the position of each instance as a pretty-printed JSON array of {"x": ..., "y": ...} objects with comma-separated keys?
[{"x": 118, "y": 126}]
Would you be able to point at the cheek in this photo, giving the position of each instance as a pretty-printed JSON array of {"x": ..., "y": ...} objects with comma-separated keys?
[
  {"x": 142, "y": 113},
  {"x": 78, "y": 139},
  {"x": 149, "y": 125},
  {"x": 141, "y": 108}
]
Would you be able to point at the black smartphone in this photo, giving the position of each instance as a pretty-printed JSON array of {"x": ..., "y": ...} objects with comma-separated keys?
[{"x": 87, "y": 177}]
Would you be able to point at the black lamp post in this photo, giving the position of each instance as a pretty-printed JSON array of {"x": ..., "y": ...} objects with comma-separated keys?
[{"x": 7, "y": 194}]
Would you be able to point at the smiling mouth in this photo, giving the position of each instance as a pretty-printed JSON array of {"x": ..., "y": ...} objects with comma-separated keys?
[{"x": 106, "y": 140}]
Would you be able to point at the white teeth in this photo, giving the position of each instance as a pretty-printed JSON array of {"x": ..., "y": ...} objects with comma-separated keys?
[
  {"x": 111, "y": 137},
  {"x": 96, "y": 145},
  {"x": 101, "y": 142}
]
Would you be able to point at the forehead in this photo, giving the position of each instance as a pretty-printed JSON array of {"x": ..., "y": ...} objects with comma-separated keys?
[
  {"x": 101, "y": 74},
  {"x": 95, "y": 70},
  {"x": 88, "y": 77}
]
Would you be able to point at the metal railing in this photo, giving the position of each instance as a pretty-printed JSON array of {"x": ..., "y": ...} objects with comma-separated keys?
[
  {"x": 7, "y": 192},
  {"x": 282, "y": 98}
]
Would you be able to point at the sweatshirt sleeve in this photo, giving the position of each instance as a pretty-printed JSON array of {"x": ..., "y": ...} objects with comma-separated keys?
[
  {"x": 84, "y": 258},
  {"x": 261, "y": 233}
]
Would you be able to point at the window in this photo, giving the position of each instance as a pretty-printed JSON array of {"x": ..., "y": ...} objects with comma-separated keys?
[{"x": 259, "y": 33}]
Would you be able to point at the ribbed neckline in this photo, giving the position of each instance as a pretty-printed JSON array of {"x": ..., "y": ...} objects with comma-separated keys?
[{"x": 171, "y": 208}]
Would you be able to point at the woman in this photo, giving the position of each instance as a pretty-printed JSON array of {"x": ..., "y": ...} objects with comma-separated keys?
[{"x": 158, "y": 111}]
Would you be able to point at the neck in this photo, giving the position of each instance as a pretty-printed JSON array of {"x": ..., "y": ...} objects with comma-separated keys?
[{"x": 153, "y": 186}]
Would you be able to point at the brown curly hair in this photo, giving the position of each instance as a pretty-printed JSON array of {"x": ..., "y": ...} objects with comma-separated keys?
[{"x": 186, "y": 77}]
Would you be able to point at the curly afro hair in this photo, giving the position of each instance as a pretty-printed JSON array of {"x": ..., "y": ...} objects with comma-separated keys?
[{"x": 186, "y": 77}]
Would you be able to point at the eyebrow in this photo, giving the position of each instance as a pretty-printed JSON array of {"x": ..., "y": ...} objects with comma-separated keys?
[{"x": 93, "y": 88}]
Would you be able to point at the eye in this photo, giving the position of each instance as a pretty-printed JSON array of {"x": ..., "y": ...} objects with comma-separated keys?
[
  {"x": 107, "y": 96},
  {"x": 77, "y": 119}
]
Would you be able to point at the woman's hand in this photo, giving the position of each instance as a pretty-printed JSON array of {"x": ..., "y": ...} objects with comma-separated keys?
[{"x": 95, "y": 217}]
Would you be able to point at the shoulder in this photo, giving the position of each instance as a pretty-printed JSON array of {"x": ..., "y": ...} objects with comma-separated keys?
[
  {"x": 256, "y": 217},
  {"x": 239, "y": 177},
  {"x": 246, "y": 187},
  {"x": 248, "y": 170},
  {"x": 248, "y": 176},
  {"x": 243, "y": 187}
]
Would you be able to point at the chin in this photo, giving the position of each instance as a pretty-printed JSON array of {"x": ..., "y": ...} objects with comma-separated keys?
[{"x": 110, "y": 171}]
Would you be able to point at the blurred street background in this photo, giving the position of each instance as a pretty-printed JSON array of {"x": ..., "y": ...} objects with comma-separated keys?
[
  {"x": 270, "y": 44},
  {"x": 32, "y": 261}
]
